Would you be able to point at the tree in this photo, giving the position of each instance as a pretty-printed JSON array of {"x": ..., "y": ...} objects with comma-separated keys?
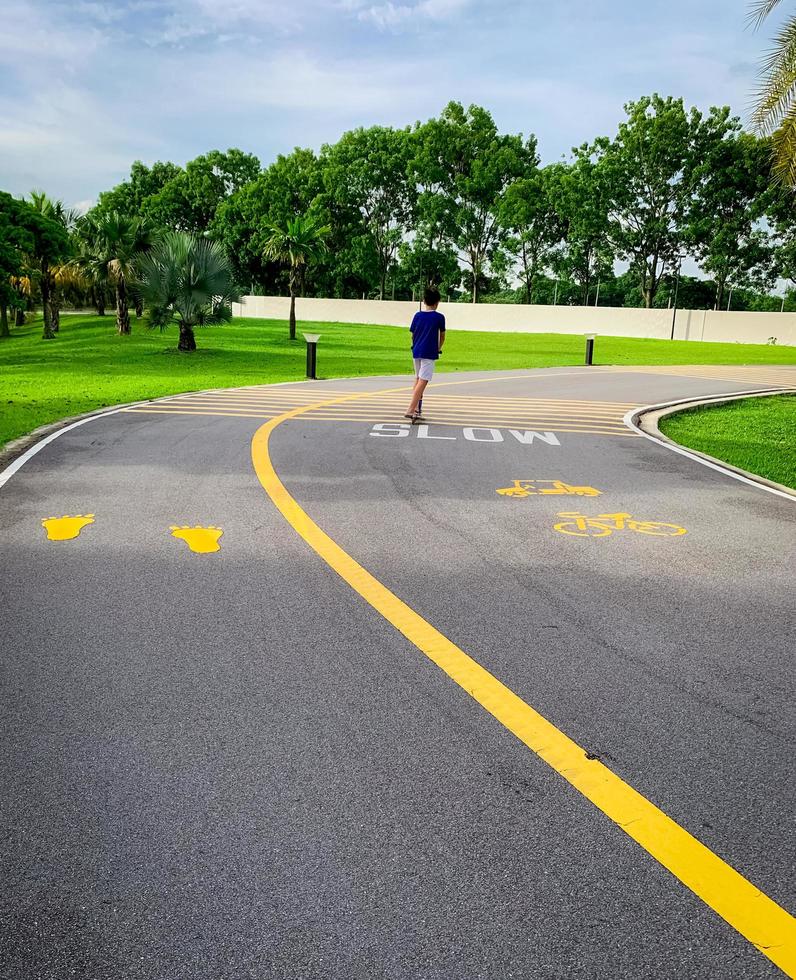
[
  {"x": 463, "y": 166},
  {"x": 423, "y": 262},
  {"x": 189, "y": 279},
  {"x": 296, "y": 244},
  {"x": 15, "y": 241},
  {"x": 528, "y": 212},
  {"x": 56, "y": 274},
  {"x": 49, "y": 247},
  {"x": 775, "y": 104},
  {"x": 293, "y": 184},
  {"x": 578, "y": 196},
  {"x": 366, "y": 171},
  {"x": 190, "y": 200},
  {"x": 113, "y": 244},
  {"x": 131, "y": 195},
  {"x": 724, "y": 225},
  {"x": 648, "y": 172}
]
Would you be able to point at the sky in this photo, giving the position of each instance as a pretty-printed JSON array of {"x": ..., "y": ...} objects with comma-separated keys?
[{"x": 87, "y": 86}]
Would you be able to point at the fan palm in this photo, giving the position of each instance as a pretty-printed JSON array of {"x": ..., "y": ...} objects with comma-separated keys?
[
  {"x": 775, "y": 103},
  {"x": 188, "y": 279},
  {"x": 111, "y": 246},
  {"x": 296, "y": 244}
]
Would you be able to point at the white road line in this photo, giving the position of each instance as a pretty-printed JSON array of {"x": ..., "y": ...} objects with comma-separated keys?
[{"x": 37, "y": 447}]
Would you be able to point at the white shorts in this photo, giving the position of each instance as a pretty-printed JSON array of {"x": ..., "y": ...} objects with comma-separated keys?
[{"x": 424, "y": 368}]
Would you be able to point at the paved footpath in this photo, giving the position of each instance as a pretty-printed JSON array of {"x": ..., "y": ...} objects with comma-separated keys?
[{"x": 301, "y": 691}]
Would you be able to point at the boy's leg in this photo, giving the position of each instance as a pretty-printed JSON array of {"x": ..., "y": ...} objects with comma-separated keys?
[{"x": 417, "y": 396}]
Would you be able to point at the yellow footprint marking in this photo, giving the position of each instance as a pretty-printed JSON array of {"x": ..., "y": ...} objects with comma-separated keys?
[
  {"x": 66, "y": 527},
  {"x": 199, "y": 539}
]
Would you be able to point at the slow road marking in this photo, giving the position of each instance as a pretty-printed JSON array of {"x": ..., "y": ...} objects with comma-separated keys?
[{"x": 754, "y": 915}]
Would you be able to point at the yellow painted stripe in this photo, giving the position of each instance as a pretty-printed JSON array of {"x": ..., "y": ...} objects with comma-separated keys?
[
  {"x": 296, "y": 398},
  {"x": 552, "y": 427},
  {"x": 754, "y": 915},
  {"x": 464, "y": 414},
  {"x": 446, "y": 400},
  {"x": 441, "y": 411},
  {"x": 179, "y": 411},
  {"x": 375, "y": 419}
]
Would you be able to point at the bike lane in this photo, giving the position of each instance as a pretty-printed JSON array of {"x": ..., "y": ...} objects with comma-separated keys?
[{"x": 667, "y": 657}]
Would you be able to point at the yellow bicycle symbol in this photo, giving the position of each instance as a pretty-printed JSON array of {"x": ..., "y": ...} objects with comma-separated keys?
[{"x": 604, "y": 524}]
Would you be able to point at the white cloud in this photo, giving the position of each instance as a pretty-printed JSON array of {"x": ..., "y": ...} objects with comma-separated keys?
[
  {"x": 88, "y": 86},
  {"x": 392, "y": 16}
]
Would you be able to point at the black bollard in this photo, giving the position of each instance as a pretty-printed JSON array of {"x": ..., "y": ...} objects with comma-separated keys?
[
  {"x": 589, "y": 347},
  {"x": 312, "y": 343}
]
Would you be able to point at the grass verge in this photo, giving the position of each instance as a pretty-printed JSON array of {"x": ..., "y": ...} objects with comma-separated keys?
[
  {"x": 756, "y": 434},
  {"x": 89, "y": 365}
]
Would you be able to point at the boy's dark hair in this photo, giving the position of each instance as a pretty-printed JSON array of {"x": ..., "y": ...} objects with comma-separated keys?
[{"x": 431, "y": 296}]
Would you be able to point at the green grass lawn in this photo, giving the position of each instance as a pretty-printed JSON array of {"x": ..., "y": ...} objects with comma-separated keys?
[
  {"x": 88, "y": 365},
  {"x": 757, "y": 434}
]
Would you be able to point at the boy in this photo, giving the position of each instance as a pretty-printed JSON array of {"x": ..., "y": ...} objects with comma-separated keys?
[{"x": 428, "y": 336}]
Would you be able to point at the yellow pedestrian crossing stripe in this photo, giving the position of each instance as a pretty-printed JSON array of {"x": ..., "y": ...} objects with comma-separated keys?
[{"x": 604, "y": 418}]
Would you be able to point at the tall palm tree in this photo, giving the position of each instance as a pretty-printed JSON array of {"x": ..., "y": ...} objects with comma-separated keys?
[
  {"x": 52, "y": 277},
  {"x": 296, "y": 244},
  {"x": 775, "y": 102},
  {"x": 187, "y": 279},
  {"x": 111, "y": 246}
]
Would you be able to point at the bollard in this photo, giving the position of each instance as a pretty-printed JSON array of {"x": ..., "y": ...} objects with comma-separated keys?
[
  {"x": 590, "y": 347},
  {"x": 312, "y": 342}
]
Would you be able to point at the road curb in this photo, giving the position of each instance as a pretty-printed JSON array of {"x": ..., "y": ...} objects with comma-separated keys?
[{"x": 645, "y": 421}]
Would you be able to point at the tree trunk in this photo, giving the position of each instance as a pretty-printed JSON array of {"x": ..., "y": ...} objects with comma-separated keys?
[
  {"x": 383, "y": 283},
  {"x": 721, "y": 285},
  {"x": 55, "y": 308},
  {"x": 187, "y": 341},
  {"x": 292, "y": 313},
  {"x": 139, "y": 307},
  {"x": 19, "y": 317},
  {"x": 122, "y": 312},
  {"x": 99, "y": 300},
  {"x": 4, "y": 331},
  {"x": 46, "y": 310}
]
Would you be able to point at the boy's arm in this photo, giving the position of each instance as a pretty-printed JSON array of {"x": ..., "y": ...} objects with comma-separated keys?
[{"x": 441, "y": 334}]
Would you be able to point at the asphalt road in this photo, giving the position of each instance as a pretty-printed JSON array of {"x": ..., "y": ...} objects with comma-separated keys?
[{"x": 228, "y": 765}]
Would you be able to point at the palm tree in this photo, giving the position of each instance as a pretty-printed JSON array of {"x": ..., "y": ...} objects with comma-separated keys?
[
  {"x": 775, "y": 103},
  {"x": 52, "y": 276},
  {"x": 111, "y": 246},
  {"x": 188, "y": 279},
  {"x": 301, "y": 241}
]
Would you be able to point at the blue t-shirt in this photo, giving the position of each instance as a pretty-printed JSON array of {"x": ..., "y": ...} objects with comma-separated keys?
[{"x": 425, "y": 328}]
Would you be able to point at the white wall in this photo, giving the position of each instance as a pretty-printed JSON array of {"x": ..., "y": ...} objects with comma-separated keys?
[{"x": 750, "y": 328}]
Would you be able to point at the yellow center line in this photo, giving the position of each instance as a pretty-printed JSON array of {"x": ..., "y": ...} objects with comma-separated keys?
[{"x": 753, "y": 914}]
